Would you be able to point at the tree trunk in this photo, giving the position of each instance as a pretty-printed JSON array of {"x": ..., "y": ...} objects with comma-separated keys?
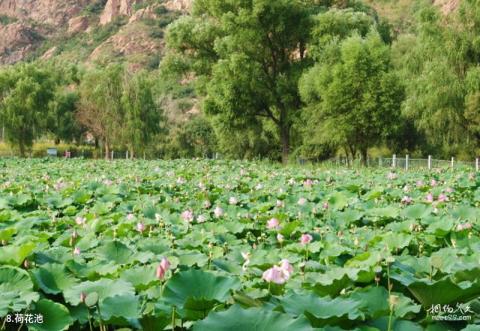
[
  {"x": 22, "y": 149},
  {"x": 285, "y": 139},
  {"x": 364, "y": 152},
  {"x": 107, "y": 150}
]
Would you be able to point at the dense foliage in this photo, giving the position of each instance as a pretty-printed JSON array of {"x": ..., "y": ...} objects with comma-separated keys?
[
  {"x": 212, "y": 245},
  {"x": 262, "y": 79}
]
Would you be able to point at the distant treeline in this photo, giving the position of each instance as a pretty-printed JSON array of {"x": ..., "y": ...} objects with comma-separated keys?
[{"x": 271, "y": 79}]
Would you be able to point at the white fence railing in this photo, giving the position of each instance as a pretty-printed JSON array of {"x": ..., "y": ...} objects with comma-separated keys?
[{"x": 406, "y": 163}]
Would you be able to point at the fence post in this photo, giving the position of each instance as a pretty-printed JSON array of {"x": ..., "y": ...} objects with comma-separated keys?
[
  {"x": 394, "y": 160},
  {"x": 429, "y": 162},
  {"x": 126, "y": 155},
  {"x": 144, "y": 157},
  {"x": 113, "y": 154},
  {"x": 380, "y": 161},
  {"x": 477, "y": 164},
  {"x": 452, "y": 162},
  {"x": 406, "y": 161}
]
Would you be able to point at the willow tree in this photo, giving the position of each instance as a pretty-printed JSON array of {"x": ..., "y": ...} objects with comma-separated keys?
[
  {"x": 247, "y": 57},
  {"x": 25, "y": 92},
  {"x": 356, "y": 99},
  {"x": 100, "y": 107},
  {"x": 142, "y": 115}
]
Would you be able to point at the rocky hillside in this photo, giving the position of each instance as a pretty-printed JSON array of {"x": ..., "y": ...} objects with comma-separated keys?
[
  {"x": 86, "y": 30},
  {"x": 131, "y": 31}
]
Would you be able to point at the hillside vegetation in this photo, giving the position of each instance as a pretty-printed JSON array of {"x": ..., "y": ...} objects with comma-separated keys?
[{"x": 281, "y": 80}]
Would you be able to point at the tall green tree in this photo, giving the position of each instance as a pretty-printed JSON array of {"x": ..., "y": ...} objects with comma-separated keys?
[
  {"x": 62, "y": 121},
  {"x": 100, "y": 107},
  {"x": 354, "y": 101},
  {"x": 25, "y": 91},
  {"x": 439, "y": 66},
  {"x": 247, "y": 57},
  {"x": 143, "y": 116}
]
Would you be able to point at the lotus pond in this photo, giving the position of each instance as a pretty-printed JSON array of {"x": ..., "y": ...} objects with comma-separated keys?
[{"x": 220, "y": 245}]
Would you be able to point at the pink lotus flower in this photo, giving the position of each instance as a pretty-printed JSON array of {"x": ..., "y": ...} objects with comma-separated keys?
[
  {"x": 76, "y": 251},
  {"x": 80, "y": 220},
  {"x": 218, "y": 212},
  {"x": 59, "y": 185},
  {"x": 280, "y": 238},
  {"x": 429, "y": 198},
  {"x": 392, "y": 175},
  {"x": 187, "y": 216},
  {"x": 286, "y": 267},
  {"x": 274, "y": 275},
  {"x": 308, "y": 183},
  {"x": 107, "y": 182},
  {"x": 232, "y": 201},
  {"x": 162, "y": 268},
  {"x": 466, "y": 226},
  {"x": 201, "y": 219},
  {"x": 420, "y": 183},
  {"x": 302, "y": 201},
  {"x": 130, "y": 217},
  {"x": 406, "y": 200},
  {"x": 305, "y": 239},
  {"x": 442, "y": 198},
  {"x": 273, "y": 223},
  {"x": 433, "y": 182},
  {"x": 449, "y": 190},
  {"x": 279, "y": 274},
  {"x": 140, "y": 227},
  {"x": 164, "y": 263},
  {"x": 325, "y": 205}
]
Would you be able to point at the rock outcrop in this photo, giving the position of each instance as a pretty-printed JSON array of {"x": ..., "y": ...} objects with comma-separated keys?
[
  {"x": 129, "y": 41},
  {"x": 179, "y": 5},
  {"x": 49, "y": 54},
  {"x": 16, "y": 41},
  {"x": 53, "y": 12},
  {"x": 77, "y": 24},
  {"x": 115, "y": 8}
]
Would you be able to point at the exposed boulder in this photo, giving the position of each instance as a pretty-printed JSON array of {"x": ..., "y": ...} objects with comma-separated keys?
[
  {"x": 78, "y": 24},
  {"x": 144, "y": 13},
  {"x": 179, "y": 5},
  {"x": 49, "y": 54},
  {"x": 16, "y": 42},
  {"x": 115, "y": 8}
]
